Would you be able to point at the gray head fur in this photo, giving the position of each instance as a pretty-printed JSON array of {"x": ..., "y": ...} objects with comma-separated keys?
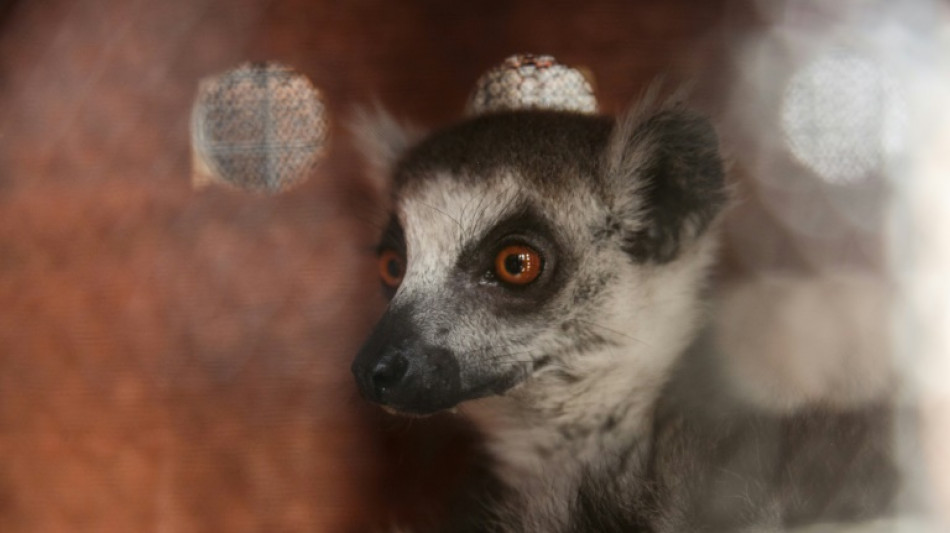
[{"x": 618, "y": 212}]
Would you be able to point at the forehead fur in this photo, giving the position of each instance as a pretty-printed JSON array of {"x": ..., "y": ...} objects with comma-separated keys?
[{"x": 545, "y": 148}]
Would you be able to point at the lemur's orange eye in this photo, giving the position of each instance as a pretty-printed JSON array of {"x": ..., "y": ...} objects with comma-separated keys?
[
  {"x": 392, "y": 267},
  {"x": 518, "y": 264}
]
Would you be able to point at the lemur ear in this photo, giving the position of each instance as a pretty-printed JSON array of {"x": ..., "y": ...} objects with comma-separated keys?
[
  {"x": 665, "y": 178},
  {"x": 381, "y": 140}
]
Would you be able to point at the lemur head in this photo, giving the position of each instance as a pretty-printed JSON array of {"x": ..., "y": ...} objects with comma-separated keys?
[{"x": 530, "y": 246}]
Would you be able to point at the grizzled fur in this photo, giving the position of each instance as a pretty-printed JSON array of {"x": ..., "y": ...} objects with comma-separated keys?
[{"x": 597, "y": 413}]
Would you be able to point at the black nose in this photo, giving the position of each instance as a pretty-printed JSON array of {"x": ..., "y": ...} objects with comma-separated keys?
[
  {"x": 419, "y": 380},
  {"x": 398, "y": 369},
  {"x": 388, "y": 372}
]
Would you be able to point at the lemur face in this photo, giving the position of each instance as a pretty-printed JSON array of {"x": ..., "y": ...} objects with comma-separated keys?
[{"x": 522, "y": 241}]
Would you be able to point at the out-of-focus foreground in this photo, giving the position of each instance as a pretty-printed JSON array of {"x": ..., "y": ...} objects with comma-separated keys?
[{"x": 174, "y": 359}]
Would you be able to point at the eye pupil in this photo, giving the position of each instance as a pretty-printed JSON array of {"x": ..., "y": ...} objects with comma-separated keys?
[
  {"x": 394, "y": 268},
  {"x": 514, "y": 264}
]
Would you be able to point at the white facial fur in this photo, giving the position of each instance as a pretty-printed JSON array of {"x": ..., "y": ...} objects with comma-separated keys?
[{"x": 612, "y": 331}]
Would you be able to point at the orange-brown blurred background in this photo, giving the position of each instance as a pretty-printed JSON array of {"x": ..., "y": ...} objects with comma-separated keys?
[{"x": 177, "y": 360}]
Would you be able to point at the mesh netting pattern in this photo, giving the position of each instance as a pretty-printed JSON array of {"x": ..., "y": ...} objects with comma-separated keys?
[
  {"x": 532, "y": 82},
  {"x": 259, "y": 127}
]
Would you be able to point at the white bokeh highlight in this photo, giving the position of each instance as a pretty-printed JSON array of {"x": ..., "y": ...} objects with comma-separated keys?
[{"x": 842, "y": 117}]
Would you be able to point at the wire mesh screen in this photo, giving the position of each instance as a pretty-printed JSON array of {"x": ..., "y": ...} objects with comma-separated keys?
[
  {"x": 259, "y": 127},
  {"x": 177, "y": 358}
]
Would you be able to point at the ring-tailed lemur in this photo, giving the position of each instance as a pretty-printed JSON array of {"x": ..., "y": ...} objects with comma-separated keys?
[{"x": 545, "y": 271}]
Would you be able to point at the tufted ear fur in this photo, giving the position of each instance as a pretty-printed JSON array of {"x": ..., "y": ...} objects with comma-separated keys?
[
  {"x": 381, "y": 140},
  {"x": 665, "y": 178}
]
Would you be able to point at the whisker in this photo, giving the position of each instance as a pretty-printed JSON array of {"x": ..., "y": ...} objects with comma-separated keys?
[
  {"x": 483, "y": 349},
  {"x": 494, "y": 358},
  {"x": 511, "y": 357},
  {"x": 370, "y": 219},
  {"x": 437, "y": 210},
  {"x": 378, "y": 227},
  {"x": 509, "y": 360},
  {"x": 615, "y": 332},
  {"x": 481, "y": 203}
]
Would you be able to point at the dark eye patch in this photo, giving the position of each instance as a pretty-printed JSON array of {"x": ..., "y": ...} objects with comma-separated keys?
[
  {"x": 476, "y": 265},
  {"x": 393, "y": 238}
]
